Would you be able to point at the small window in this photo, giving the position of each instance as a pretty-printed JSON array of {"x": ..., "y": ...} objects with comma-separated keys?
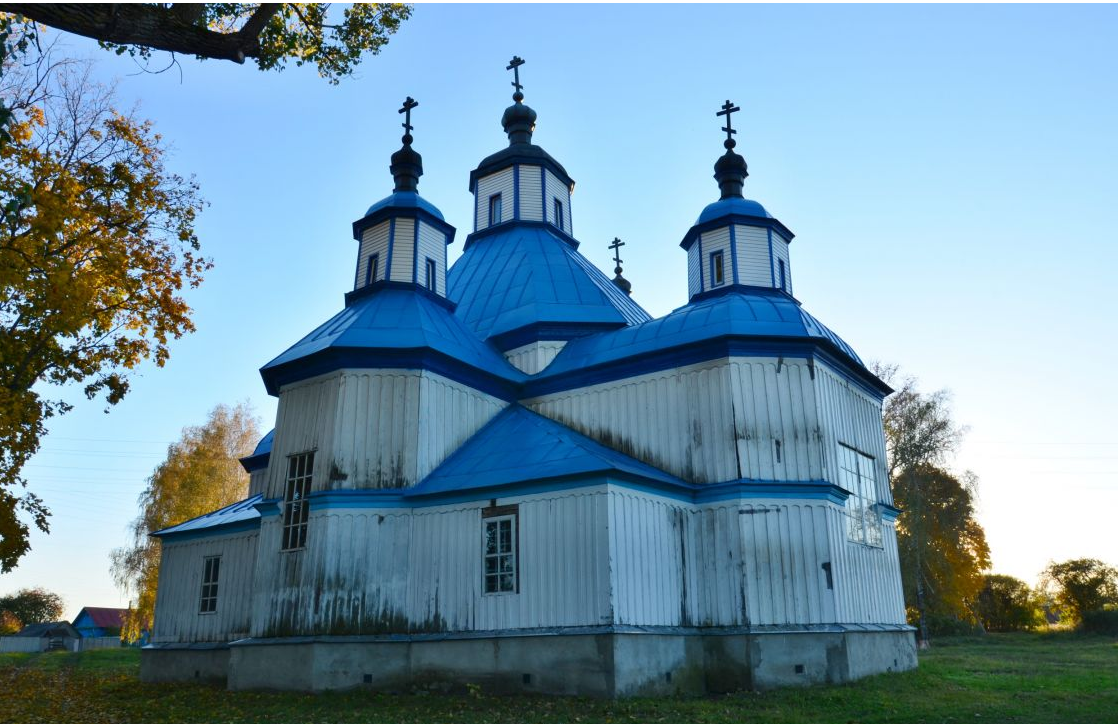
[
  {"x": 371, "y": 269},
  {"x": 499, "y": 551},
  {"x": 211, "y": 569},
  {"x": 296, "y": 508},
  {"x": 717, "y": 270},
  {"x": 559, "y": 214},
  {"x": 494, "y": 209},
  {"x": 430, "y": 280},
  {"x": 781, "y": 263}
]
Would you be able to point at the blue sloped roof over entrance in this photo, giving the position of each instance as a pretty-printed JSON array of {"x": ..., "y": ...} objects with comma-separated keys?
[
  {"x": 732, "y": 314},
  {"x": 243, "y": 511},
  {"x": 521, "y": 446},
  {"x": 527, "y": 275}
]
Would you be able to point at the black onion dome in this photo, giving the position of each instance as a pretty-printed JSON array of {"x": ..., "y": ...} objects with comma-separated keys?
[
  {"x": 407, "y": 167},
  {"x": 519, "y": 121},
  {"x": 730, "y": 171}
]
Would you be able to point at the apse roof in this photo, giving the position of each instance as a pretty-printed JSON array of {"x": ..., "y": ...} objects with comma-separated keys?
[
  {"x": 736, "y": 313},
  {"x": 526, "y": 274},
  {"x": 239, "y": 512},
  {"x": 521, "y": 446},
  {"x": 393, "y": 320}
]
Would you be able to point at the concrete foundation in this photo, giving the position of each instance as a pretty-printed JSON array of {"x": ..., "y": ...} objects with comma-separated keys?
[{"x": 602, "y": 665}]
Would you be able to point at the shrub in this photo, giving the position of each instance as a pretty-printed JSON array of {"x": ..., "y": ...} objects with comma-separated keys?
[{"x": 1100, "y": 622}]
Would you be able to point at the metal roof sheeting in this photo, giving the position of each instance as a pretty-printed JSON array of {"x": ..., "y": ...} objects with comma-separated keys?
[
  {"x": 732, "y": 314},
  {"x": 242, "y": 510},
  {"x": 520, "y": 446},
  {"x": 528, "y": 275},
  {"x": 405, "y": 200},
  {"x": 724, "y": 207}
]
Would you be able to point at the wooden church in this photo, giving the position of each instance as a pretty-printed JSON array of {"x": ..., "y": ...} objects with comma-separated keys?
[{"x": 507, "y": 473}]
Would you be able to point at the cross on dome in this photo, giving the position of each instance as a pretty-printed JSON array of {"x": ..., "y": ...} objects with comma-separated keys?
[
  {"x": 409, "y": 103},
  {"x": 514, "y": 66},
  {"x": 728, "y": 108},
  {"x": 616, "y": 246}
]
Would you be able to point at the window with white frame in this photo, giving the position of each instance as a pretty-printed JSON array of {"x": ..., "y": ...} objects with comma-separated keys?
[
  {"x": 371, "y": 270},
  {"x": 499, "y": 534},
  {"x": 494, "y": 209},
  {"x": 717, "y": 269},
  {"x": 429, "y": 281},
  {"x": 782, "y": 280},
  {"x": 296, "y": 507},
  {"x": 211, "y": 569},
  {"x": 856, "y": 474},
  {"x": 559, "y": 214}
]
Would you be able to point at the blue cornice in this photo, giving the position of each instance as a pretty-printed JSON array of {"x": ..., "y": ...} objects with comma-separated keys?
[
  {"x": 402, "y": 212},
  {"x": 743, "y": 289},
  {"x": 694, "y": 232},
  {"x": 519, "y": 154},
  {"x": 509, "y": 225},
  {"x": 888, "y": 512},
  {"x": 369, "y": 289},
  {"x": 252, "y": 463}
]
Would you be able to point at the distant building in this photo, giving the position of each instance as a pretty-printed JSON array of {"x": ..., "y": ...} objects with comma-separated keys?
[
  {"x": 508, "y": 473},
  {"x": 93, "y": 622},
  {"x": 56, "y": 636}
]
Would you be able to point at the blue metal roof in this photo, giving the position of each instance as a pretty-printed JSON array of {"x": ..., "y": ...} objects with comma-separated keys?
[
  {"x": 265, "y": 444},
  {"x": 737, "y": 313},
  {"x": 393, "y": 319},
  {"x": 407, "y": 200},
  {"x": 240, "y": 512},
  {"x": 520, "y": 446},
  {"x": 737, "y": 205},
  {"x": 528, "y": 275}
]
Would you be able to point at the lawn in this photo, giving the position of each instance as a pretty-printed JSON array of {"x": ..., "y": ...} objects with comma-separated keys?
[{"x": 1041, "y": 678}]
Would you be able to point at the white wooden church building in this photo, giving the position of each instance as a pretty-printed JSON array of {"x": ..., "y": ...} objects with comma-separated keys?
[{"x": 508, "y": 473}]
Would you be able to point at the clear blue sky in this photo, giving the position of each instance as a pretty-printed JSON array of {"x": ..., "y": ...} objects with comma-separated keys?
[{"x": 949, "y": 172}]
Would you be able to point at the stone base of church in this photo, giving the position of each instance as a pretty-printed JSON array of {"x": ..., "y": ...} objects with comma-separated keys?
[
  {"x": 189, "y": 662},
  {"x": 613, "y": 664}
]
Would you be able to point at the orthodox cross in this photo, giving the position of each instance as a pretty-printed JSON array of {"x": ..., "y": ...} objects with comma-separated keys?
[
  {"x": 616, "y": 246},
  {"x": 727, "y": 109},
  {"x": 406, "y": 110},
  {"x": 514, "y": 66}
]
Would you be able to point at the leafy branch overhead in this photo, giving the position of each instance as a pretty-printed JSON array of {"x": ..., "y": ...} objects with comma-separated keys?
[{"x": 272, "y": 34}]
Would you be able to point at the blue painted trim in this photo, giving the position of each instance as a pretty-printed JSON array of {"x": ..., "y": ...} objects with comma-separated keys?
[
  {"x": 240, "y": 526},
  {"x": 332, "y": 359},
  {"x": 734, "y": 254},
  {"x": 702, "y": 279},
  {"x": 772, "y": 274},
  {"x": 550, "y": 331},
  {"x": 516, "y": 192},
  {"x": 543, "y": 193},
  {"x": 888, "y": 512},
  {"x": 756, "y": 221},
  {"x": 252, "y": 463},
  {"x": 525, "y": 154},
  {"x": 742, "y": 289},
  {"x": 391, "y": 245},
  {"x": 552, "y": 228},
  {"x": 268, "y": 507},
  {"x": 358, "y": 294},
  {"x": 391, "y": 212},
  {"x": 415, "y": 254}
]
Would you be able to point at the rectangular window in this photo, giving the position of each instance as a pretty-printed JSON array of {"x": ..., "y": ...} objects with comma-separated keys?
[
  {"x": 856, "y": 474},
  {"x": 781, "y": 263},
  {"x": 559, "y": 214},
  {"x": 499, "y": 549},
  {"x": 296, "y": 508},
  {"x": 494, "y": 209},
  {"x": 717, "y": 270},
  {"x": 430, "y": 280},
  {"x": 211, "y": 569},
  {"x": 371, "y": 269}
]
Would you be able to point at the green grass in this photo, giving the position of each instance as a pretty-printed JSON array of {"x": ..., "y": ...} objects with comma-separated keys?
[{"x": 1030, "y": 678}]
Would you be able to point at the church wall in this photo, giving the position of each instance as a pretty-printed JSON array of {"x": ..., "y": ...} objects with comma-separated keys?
[
  {"x": 451, "y": 414},
  {"x": 710, "y": 242},
  {"x": 556, "y": 189},
  {"x": 258, "y": 481},
  {"x": 432, "y": 245},
  {"x": 780, "y": 251},
  {"x": 495, "y": 183},
  {"x": 373, "y": 241},
  {"x": 531, "y": 193},
  {"x": 753, "y": 256},
  {"x": 850, "y": 416},
  {"x": 179, "y": 592},
  {"x": 403, "y": 251},
  {"x": 304, "y": 418},
  {"x": 694, "y": 275},
  {"x": 867, "y": 579},
  {"x": 534, "y": 357}
]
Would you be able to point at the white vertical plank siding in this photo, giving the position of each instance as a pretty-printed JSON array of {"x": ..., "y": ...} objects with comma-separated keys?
[
  {"x": 532, "y": 358},
  {"x": 304, "y": 422},
  {"x": 753, "y": 255},
  {"x": 780, "y": 251},
  {"x": 432, "y": 245},
  {"x": 531, "y": 193},
  {"x": 452, "y": 413},
  {"x": 496, "y": 183},
  {"x": 258, "y": 481},
  {"x": 403, "y": 251},
  {"x": 712, "y": 241},
  {"x": 374, "y": 240},
  {"x": 556, "y": 189},
  {"x": 178, "y": 596},
  {"x": 694, "y": 272}
]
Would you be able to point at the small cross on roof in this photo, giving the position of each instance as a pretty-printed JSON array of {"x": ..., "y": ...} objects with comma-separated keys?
[
  {"x": 616, "y": 246},
  {"x": 514, "y": 66},
  {"x": 409, "y": 103},
  {"x": 727, "y": 109}
]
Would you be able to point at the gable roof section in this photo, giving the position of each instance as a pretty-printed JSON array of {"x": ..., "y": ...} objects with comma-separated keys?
[
  {"x": 520, "y": 446},
  {"x": 528, "y": 275},
  {"x": 102, "y": 617},
  {"x": 750, "y": 314},
  {"x": 241, "y": 515},
  {"x": 391, "y": 328}
]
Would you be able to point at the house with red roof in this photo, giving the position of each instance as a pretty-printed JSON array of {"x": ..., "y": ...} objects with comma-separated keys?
[{"x": 94, "y": 622}]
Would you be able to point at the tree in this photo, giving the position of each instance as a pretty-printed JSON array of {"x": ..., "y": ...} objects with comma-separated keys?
[
  {"x": 943, "y": 549},
  {"x": 1006, "y": 603},
  {"x": 32, "y": 605},
  {"x": 270, "y": 33},
  {"x": 96, "y": 243},
  {"x": 1081, "y": 585},
  {"x": 201, "y": 473}
]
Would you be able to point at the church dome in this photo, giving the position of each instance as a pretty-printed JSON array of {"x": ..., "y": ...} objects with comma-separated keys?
[
  {"x": 405, "y": 200},
  {"x": 733, "y": 205}
]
